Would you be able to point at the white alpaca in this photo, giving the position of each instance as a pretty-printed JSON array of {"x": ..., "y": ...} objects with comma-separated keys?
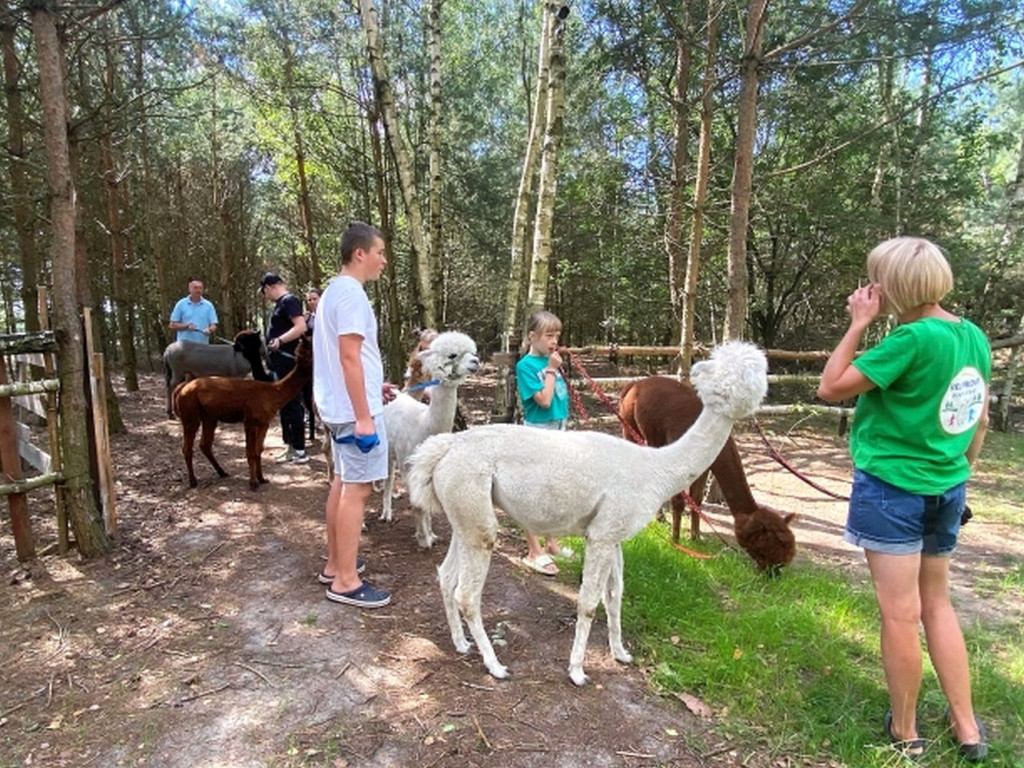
[
  {"x": 570, "y": 483},
  {"x": 449, "y": 360}
]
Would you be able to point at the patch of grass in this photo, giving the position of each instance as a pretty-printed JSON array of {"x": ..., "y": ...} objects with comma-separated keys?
[
  {"x": 309, "y": 620},
  {"x": 791, "y": 666},
  {"x": 995, "y": 491}
]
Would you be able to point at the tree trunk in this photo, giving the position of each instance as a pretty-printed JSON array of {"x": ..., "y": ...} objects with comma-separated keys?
[
  {"x": 743, "y": 172},
  {"x": 395, "y": 352},
  {"x": 548, "y": 183},
  {"x": 24, "y": 216},
  {"x": 436, "y": 181},
  {"x": 85, "y": 519},
  {"x": 226, "y": 278},
  {"x": 112, "y": 180},
  {"x": 700, "y": 193},
  {"x": 673, "y": 235},
  {"x": 427, "y": 309},
  {"x": 159, "y": 322}
]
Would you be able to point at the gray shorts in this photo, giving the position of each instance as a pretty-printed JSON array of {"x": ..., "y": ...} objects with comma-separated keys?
[{"x": 354, "y": 466}]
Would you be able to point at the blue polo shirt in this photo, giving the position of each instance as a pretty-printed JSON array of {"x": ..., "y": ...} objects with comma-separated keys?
[{"x": 201, "y": 314}]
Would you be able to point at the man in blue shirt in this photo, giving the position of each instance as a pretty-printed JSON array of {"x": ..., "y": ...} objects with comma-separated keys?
[{"x": 194, "y": 317}]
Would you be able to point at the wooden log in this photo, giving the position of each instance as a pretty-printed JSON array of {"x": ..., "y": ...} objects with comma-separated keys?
[
  {"x": 19, "y": 343},
  {"x": 39, "y": 481},
  {"x": 29, "y": 387}
]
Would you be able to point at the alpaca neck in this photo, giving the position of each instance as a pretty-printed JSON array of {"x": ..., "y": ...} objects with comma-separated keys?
[
  {"x": 728, "y": 472},
  {"x": 291, "y": 385},
  {"x": 441, "y": 409},
  {"x": 680, "y": 463}
]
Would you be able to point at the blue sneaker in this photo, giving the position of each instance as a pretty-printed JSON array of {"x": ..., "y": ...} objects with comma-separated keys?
[{"x": 364, "y": 596}]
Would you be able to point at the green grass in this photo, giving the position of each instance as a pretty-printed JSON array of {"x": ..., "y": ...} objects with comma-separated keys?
[{"x": 791, "y": 666}]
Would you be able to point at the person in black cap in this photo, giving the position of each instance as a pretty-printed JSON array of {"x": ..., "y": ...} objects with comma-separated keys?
[{"x": 287, "y": 325}]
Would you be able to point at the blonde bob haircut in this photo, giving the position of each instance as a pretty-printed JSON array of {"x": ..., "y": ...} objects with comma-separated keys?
[
  {"x": 541, "y": 322},
  {"x": 912, "y": 271}
]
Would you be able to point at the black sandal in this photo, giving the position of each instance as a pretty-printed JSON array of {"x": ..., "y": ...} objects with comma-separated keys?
[
  {"x": 912, "y": 749},
  {"x": 973, "y": 753}
]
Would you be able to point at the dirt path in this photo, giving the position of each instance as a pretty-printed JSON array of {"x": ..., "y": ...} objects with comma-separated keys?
[{"x": 204, "y": 640}]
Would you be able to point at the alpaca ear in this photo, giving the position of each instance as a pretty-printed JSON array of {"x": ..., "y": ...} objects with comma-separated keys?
[{"x": 787, "y": 519}]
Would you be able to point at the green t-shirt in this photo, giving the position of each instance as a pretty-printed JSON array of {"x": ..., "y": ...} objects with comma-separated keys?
[
  {"x": 913, "y": 429},
  {"x": 530, "y": 381}
]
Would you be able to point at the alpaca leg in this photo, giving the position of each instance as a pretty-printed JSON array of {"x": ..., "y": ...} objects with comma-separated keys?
[
  {"x": 596, "y": 567},
  {"x": 448, "y": 577},
  {"x": 474, "y": 562},
  {"x": 697, "y": 494},
  {"x": 389, "y": 485},
  {"x": 206, "y": 443},
  {"x": 425, "y": 535},
  {"x": 613, "y": 607},
  {"x": 252, "y": 455},
  {"x": 261, "y": 436},
  {"x": 188, "y": 441}
]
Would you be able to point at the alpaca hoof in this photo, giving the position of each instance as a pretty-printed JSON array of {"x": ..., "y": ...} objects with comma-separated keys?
[
  {"x": 385, "y": 516},
  {"x": 192, "y": 483},
  {"x": 623, "y": 656},
  {"x": 463, "y": 647},
  {"x": 500, "y": 671},
  {"x": 577, "y": 676},
  {"x": 426, "y": 542}
]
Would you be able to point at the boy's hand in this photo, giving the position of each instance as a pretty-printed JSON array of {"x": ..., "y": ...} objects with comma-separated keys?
[{"x": 390, "y": 392}]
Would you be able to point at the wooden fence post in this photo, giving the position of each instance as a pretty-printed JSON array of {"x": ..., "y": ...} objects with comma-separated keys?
[{"x": 21, "y": 526}]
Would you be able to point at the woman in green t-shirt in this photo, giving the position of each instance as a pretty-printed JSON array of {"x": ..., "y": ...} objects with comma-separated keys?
[{"x": 921, "y": 414}]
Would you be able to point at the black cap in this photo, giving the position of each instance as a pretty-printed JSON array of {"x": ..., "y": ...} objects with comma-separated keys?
[{"x": 271, "y": 278}]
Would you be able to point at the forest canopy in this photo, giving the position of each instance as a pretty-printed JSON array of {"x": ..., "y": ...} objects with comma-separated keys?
[{"x": 221, "y": 139}]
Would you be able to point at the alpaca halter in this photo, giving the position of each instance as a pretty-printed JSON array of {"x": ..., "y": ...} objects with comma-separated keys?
[{"x": 422, "y": 385}]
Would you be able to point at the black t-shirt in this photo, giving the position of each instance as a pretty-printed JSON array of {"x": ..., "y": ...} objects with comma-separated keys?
[{"x": 286, "y": 308}]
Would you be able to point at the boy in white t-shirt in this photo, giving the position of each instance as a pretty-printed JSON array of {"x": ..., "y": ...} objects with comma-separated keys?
[{"x": 350, "y": 393}]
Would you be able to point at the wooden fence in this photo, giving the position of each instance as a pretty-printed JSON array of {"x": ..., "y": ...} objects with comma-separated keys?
[
  {"x": 30, "y": 391},
  {"x": 1001, "y": 395}
]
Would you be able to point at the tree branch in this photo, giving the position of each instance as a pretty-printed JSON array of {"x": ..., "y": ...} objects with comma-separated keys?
[{"x": 909, "y": 110}]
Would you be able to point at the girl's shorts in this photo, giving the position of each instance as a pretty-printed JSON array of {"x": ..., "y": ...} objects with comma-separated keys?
[
  {"x": 887, "y": 519},
  {"x": 351, "y": 464}
]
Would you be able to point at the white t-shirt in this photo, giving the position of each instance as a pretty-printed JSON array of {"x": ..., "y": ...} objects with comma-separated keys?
[{"x": 344, "y": 309}]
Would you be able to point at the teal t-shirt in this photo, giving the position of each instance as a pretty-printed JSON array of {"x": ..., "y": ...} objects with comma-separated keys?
[
  {"x": 530, "y": 381},
  {"x": 913, "y": 429}
]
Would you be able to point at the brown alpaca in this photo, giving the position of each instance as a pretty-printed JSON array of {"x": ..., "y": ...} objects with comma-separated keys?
[
  {"x": 212, "y": 399},
  {"x": 661, "y": 409}
]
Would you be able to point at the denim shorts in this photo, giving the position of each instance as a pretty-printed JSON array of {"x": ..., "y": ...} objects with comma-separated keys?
[
  {"x": 351, "y": 464},
  {"x": 884, "y": 518},
  {"x": 557, "y": 425}
]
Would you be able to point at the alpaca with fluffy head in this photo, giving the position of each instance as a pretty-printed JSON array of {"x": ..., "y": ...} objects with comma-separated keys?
[
  {"x": 570, "y": 483},
  {"x": 449, "y": 360}
]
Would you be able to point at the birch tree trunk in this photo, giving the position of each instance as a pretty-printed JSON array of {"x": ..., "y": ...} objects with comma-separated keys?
[
  {"x": 536, "y": 115},
  {"x": 700, "y": 192},
  {"x": 226, "y": 280},
  {"x": 82, "y": 510},
  {"x": 427, "y": 302},
  {"x": 521, "y": 216},
  {"x": 540, "y": 263},
  {"x": 743, "y": 172},
  {"x": 18, "y": 157},
  {"x": 436, "y": 182}
]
